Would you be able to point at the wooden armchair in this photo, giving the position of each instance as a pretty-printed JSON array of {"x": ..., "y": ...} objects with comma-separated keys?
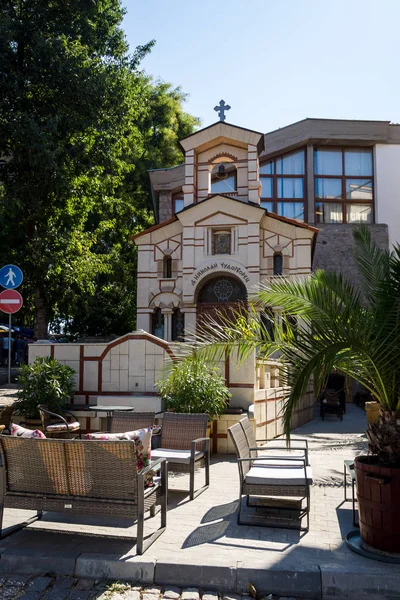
[
  {"x": 58, "y": 426},
  {"x": 185, "y": 446}
]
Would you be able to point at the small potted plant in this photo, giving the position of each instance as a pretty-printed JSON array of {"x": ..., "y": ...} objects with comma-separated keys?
[
  {"x": 46, "y": 381},
  {"x": 193, "y": 386}
]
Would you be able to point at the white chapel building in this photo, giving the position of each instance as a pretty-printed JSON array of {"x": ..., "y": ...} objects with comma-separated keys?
[{"x": 220, "y": 241}]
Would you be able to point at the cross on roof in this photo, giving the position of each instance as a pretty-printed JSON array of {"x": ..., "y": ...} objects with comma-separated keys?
[{"x": 221, "y": 108}]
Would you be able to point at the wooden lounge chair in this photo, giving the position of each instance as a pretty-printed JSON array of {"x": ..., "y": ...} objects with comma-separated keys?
[
  {"x": 82, "y": 477},
  {"x": 58, "y": 426},
  {"x": 185, "y": 446},
  {"x": 122, "y": 421},
  {"x": 271, "y": 476}
]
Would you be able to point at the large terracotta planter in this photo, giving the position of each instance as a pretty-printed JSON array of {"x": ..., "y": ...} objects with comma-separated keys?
[{"x": 378, "y": 492}]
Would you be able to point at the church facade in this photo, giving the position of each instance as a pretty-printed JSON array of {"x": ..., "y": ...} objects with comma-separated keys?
[{"x": 221, "y": 241}]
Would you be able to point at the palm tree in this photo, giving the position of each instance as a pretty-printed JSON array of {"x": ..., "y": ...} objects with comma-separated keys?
[{"x": 326, "y": 323}]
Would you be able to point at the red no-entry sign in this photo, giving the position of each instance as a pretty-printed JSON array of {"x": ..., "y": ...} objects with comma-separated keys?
[{"x": 10, "y": 301}]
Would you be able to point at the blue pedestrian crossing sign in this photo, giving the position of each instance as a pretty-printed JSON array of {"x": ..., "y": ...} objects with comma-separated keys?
[{"x": 10, "y": 277}]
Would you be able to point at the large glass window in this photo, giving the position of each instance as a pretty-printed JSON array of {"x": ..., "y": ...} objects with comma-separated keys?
[
  {"x": 344, "y": 181},
  {"x": 282, "y": 181},
  {"x": 292, "y": 187},
  {"x": 291, "y": 210}
]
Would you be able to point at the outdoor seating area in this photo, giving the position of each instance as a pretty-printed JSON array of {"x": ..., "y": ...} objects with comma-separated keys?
[
  {"x": 67, "y": 475},
  {"x": 205, "y": 530}
]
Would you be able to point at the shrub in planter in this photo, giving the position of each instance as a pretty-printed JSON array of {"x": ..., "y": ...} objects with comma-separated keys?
[
  {"x": 193, "y": 386},
  {"x": 46, "y": 381}
]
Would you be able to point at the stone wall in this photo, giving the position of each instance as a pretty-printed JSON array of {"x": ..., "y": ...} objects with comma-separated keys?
[
  {"x": 126, "y": 368},
  {"x": 124, "y": 371},
  {"x": 165, "y": 206},
  {"x": 334, "y": 249}
]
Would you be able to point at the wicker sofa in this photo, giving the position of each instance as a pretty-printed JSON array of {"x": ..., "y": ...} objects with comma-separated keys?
[{"x": 80, "y": 477}]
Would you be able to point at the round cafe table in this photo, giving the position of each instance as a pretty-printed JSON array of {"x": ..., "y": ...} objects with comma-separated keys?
[{"x": 109, "y": 410}]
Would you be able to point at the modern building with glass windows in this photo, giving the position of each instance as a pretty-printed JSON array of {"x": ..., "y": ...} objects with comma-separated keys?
[{"x": 331, "y": 174}]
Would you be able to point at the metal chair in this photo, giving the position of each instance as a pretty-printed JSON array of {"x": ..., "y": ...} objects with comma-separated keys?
[
  {"x": 185, "y": 446},
  {"x": 55, "y": 425},
  {"x": 271, "y": 476}
]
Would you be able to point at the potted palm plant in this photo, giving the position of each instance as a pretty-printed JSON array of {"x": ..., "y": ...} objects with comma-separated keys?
[{"x": 355, "y": 331}]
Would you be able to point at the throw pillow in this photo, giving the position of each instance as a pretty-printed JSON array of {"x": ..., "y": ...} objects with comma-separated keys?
[
  {"x": 114, "y": 437},
  {"x": 18, "y": 431},
  {"x": 142, "y": 441}
]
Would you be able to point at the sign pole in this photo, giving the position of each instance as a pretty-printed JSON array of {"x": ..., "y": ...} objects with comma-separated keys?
[
  {"x": 9, "y": 348},
  {"x": 11, "y": 301}
]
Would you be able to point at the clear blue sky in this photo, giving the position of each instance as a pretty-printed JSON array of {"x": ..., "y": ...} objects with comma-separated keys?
[{"x": 275, "y": 61}]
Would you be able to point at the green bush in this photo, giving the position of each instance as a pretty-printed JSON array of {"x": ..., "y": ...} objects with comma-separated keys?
[
  {"x": 46, "y": 381},
  {"x": 192, "y": 386}
]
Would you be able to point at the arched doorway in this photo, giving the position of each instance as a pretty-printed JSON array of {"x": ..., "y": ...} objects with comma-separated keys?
[{"x": 221, "y": 294}]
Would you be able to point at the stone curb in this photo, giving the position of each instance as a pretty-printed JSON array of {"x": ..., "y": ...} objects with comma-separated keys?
[{"x": 313, "y": 582}]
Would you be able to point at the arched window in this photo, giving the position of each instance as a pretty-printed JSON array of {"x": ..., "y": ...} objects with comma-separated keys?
[
  {"x": 223, "y": 178},
  {"x": 223, "y": 289},
  {"x": 157, "y": 326},
  {"x": 278, "y": 263},
  {"x": 178, "y": 326},
  {"x": 167, "y": 267}
]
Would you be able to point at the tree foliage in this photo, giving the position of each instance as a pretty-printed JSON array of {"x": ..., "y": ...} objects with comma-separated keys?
[{"x": 79, "y": 125}]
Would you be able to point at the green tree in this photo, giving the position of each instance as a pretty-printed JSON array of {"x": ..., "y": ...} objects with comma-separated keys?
[
  {"x": 78, "y": 120},
  {"x": 111, "y": 309},
  {"x": 338, "y": 327}
]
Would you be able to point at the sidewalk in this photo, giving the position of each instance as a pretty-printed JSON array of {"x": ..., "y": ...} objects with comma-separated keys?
[{"x": 204, "y": 547}]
